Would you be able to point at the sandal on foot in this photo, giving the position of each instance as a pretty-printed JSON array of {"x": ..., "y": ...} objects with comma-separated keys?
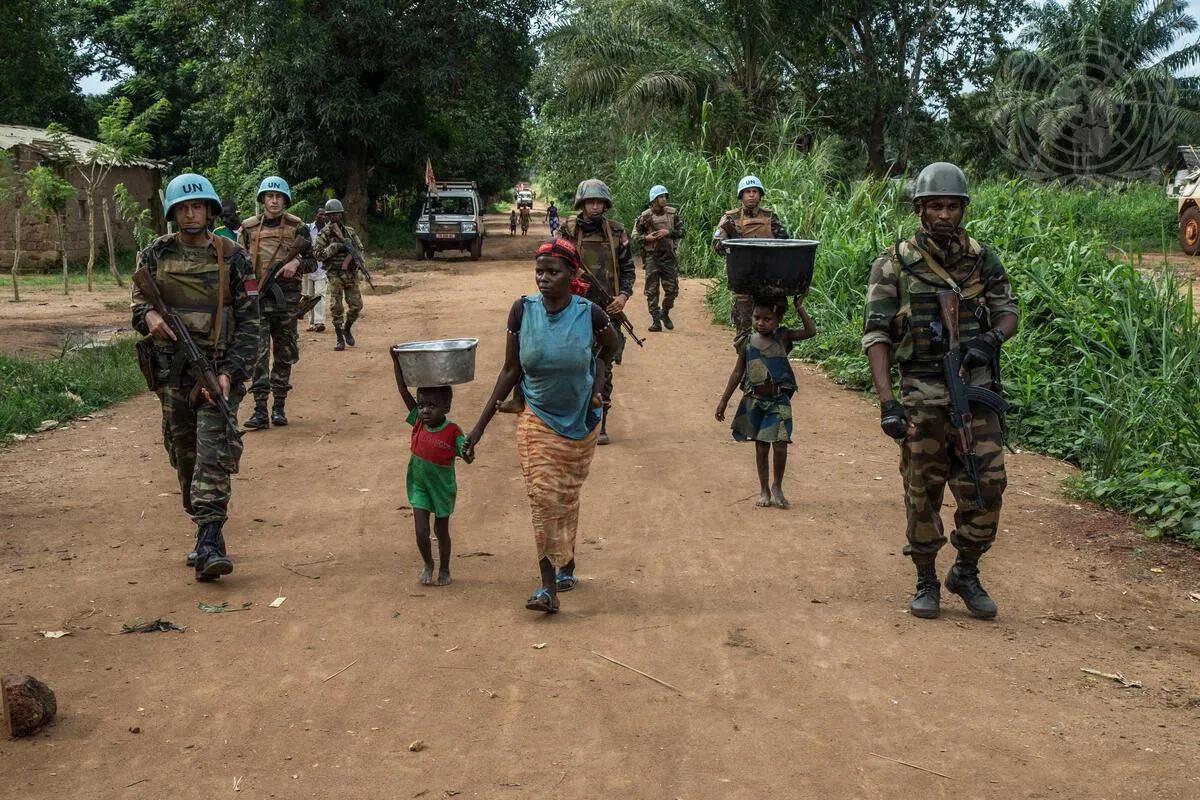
[
  {"x": 542, "y": 600},
  {"x": 565, "y": 583}
]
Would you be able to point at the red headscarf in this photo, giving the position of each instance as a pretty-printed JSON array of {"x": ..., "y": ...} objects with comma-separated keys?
[{"x": 568, "y": 252}]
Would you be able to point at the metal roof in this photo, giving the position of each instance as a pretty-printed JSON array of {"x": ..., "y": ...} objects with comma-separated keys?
[{"x": 39, "y": 140}]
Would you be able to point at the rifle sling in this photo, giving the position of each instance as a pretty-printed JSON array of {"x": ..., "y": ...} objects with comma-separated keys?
[
  {"x": 937, "y": 269},
  {"x": 222, "y": 287}
]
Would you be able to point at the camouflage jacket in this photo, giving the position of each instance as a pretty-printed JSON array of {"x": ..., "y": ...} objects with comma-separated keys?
[
  {"x": 577, "y": 229},
  {"x": 327, "y": 247},
  {"x": 645, "y": 225},
  {"x": 901, "y": 308},
  {"x": 731, "y": 220},
  {"x": 236, "y": 358}
]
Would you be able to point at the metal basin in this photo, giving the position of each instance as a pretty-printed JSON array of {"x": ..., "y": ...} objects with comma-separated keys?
[
  {"x": 437, "y": 363},
  {"x": 770, "y": 266}
]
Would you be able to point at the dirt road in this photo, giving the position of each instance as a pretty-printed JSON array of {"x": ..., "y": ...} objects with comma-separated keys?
[{"x": 797, "y": 672}]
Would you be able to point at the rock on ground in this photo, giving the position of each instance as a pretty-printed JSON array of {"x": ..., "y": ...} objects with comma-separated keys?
[{"x": 29, "y": 704}]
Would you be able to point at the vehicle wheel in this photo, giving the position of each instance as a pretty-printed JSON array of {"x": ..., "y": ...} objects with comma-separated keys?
[
  {"x": 477, "y": 248},
  {"x": 1189, "y": 231}
]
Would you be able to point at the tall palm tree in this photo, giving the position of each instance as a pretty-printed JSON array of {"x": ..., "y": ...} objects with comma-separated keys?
[{"x": 1097, "y": 93}]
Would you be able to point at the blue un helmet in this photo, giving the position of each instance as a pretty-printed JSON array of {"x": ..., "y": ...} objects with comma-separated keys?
[
  {"x": 190, "y": 186},
  {"x": 750, "y": 182},
  {"x": 274, "y": 183},
  {"x": 657, "y": 191}
]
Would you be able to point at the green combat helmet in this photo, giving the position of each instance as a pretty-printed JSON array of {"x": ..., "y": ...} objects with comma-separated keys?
[
  {"x": 941, "y": 179},
  {"x": 592, "y": 189},
  {"x": 334, "y": 206}
]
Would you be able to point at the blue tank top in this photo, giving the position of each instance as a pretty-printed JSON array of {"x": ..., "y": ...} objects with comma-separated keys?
[{"x": 558, "y": 366}]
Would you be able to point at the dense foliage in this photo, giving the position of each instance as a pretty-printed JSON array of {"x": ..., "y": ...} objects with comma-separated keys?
[{"x": 1103, "y": 372}]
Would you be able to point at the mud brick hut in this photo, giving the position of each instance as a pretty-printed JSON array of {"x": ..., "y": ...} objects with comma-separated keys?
[{"x": 31, "y": 147}]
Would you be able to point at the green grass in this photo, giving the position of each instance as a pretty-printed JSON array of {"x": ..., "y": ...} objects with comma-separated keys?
[
  {"x": 390, "y": 237},
  {"x": 33, "y": 391},
  {"x": 1103, "y": 372},
  {"x": 49, "y": 276}
]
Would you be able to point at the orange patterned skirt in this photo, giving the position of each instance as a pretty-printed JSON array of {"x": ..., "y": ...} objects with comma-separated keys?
[{"x": 554, "y": 468}]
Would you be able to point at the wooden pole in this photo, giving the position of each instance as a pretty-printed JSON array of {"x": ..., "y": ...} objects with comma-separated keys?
[
  {"x": 91, "y": 222},
  {"x": 62, "y": 249},
  {"x": 112, "y": 247},
  {"x": 16, "y": 256}
]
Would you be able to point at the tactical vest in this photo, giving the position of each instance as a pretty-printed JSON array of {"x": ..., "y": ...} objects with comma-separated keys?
[
  {"x": 192, "y": 288},
  {"x": 756, "y": 227},
  {"x": 270, "y": 243},
  {"x": 662, "y": 222},
  {"x": 923, "y": 340},
  {"x": 599, "y": 253}
]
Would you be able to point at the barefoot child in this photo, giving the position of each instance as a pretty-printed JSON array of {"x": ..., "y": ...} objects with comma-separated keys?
[
  {"x": 432, "y": 487},
  {"x": 765, "y": 414}
]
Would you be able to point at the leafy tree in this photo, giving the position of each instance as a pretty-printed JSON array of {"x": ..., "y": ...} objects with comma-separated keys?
[
  {"x": 1100, "y": 92},
  {"x": 41, "y": 67},
  {"x": 876, "y": 64},
  {"x": 123, "y": 141},
  {"x": 12, "y": 193},
  {"x": 48, "y": 194}
]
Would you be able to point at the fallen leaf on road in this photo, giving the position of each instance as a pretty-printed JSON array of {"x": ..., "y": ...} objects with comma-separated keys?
[
  {"x": 54, "y": 634},
  {"x": 416, "y": 746},
  {"x": 539, "y": 646}
]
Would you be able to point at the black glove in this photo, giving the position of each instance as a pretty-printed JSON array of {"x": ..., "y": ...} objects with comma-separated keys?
[
  {"x": 894, "y": 419},
  {"x": 980, "y": 351}
]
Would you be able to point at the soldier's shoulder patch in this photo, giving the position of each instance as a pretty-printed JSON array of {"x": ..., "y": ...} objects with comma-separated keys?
[{"x": 251, "y": 286}]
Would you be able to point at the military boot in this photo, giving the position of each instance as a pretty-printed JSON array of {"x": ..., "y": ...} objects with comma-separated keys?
[
  {"x": 191, "y": 557},
  {"x": 963, "y": 580},
  {"x": 926, "y": 603},
  {"x": 211, "y": 561},
  {"x": 656, "y": 325},
  {"x": 277, "y": 415},
  {"x": 666, "y": 318},
  {"x": 603, "y": 437},
  {"x": 341, "y": 339},
  {"x": 346, "y": 333},
  {"x": 258, "y": 420}
]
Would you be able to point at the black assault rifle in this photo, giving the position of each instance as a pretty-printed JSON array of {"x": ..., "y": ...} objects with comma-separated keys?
[
  {"x": 354, "y": 259},
  {"x": 606, "y": 298},
  {"x": 300, "y": 245},
  {"x": 962, "y": 395},
  {"x": 202, "y": 368}
]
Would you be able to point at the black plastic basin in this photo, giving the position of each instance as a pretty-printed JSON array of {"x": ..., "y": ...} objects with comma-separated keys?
[{"x": 769, "y": 266}]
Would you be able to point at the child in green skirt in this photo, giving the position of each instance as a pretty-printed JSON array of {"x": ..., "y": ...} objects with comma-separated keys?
[{"x": 432, "y": 486}]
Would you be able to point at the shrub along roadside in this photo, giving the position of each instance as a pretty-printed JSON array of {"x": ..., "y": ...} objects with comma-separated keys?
[
  {"x": 1103, "y": 372},
  {"x": 33, "y": 391}
]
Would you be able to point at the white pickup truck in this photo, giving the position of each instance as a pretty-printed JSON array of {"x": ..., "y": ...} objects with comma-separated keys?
[{"x": 451, "y": 220}]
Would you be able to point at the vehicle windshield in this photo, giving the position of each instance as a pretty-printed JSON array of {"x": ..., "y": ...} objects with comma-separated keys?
[{"x": 451, "y": 205}]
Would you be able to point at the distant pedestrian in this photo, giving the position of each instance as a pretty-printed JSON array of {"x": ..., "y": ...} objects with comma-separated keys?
[
  {"x": 512, "y": 223},
  {"x": 317, "y": 282}
]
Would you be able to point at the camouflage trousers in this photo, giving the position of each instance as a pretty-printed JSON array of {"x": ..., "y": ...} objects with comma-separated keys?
[
  {"x": 199, "y": 441},
  {"x": 665, "y": 271},
  {"x": 929, "y": 460},
  {"x": 278, "y": 348},
  {"x": 343, "y": 282}
]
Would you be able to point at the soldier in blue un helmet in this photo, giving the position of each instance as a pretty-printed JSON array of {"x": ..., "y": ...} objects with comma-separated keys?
[{"x": 209, "y": 281}]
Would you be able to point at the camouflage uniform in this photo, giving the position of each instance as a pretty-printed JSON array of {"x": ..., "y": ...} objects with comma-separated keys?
[
  {"x": 328, "y": 249},
  {"x": 761, "y": 223},
  {"x": 199, "y": 443},
  {"x": 267, "y": 241},
  {"x": 902, "y": 312},
  {"x": 600, "y": 242},
  {"x": 659, "y": 257}
]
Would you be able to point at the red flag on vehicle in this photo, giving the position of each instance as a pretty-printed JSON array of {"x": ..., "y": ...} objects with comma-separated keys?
[{"x": 430, "y": 183}]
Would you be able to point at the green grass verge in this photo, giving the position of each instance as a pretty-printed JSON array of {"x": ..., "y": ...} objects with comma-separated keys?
[
  {"x": 391, "y": 237},
  {"x": 33, "y": 391}
]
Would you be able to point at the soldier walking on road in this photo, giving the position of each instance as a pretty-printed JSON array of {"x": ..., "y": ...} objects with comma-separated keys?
[
  {"x": 269, "y": 239},
  {"x": 903, "y": 325},
  {"x": 340, "y": 271},
  {"x": 210, "y": 282},
  {"x": 658, "y": 231},
  {"x": 604, "y": 246},
  {"x": 748, "y": 221}
]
